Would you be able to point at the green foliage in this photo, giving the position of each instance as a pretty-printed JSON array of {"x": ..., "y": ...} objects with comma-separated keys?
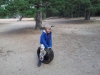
[
  {"x": 2, "y": 12},
  {"x": 17, "y": 7},
  {"x": 62, "y": 8},
  {"x": 54, "y": 11},
  {"x": 30, "y": 12}
]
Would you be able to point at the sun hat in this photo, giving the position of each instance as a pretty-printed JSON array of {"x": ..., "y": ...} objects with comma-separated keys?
[{"x": 47, "y": 26}]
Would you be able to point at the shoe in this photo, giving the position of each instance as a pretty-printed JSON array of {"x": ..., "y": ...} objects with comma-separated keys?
[
  {"x": 39, "y": 63},
  {"x": 41, "y": 58}
]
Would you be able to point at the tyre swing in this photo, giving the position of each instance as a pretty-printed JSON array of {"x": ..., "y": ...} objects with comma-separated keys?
[{"x": 48, "y": 57}]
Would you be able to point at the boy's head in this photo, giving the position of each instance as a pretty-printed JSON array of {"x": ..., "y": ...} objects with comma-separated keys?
[{"x": 48, "y": 28}]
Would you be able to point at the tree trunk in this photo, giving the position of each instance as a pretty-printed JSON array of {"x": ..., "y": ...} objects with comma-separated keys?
[
  {"x": 87, "y": 15},
  {"x": 20, "y": 17},
  {"x": 38, "y": 20}
]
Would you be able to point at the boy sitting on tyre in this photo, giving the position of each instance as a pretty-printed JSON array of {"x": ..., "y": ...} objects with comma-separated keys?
[{"x": 45, "y": 42}]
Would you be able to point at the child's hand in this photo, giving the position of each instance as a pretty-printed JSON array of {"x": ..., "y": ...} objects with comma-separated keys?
[{"x": 49, "y": 48}]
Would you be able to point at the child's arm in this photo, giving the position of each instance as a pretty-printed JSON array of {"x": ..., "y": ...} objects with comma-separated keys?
[
  {"x": 43, "y": 40},
  {"x": 50, "y": 44}
]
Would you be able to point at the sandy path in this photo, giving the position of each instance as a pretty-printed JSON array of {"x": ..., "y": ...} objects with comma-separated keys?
[{"x": 76, "y": 45}]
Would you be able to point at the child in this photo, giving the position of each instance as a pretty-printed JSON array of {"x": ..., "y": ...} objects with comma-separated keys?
[{"x": 45, "y": 42}]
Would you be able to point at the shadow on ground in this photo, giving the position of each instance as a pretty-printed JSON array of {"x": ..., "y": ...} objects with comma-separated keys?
[
  {"x": 68, "y": 21},
  {"x": 4, "y": 23},
  {"x": 20, "y": 30}
]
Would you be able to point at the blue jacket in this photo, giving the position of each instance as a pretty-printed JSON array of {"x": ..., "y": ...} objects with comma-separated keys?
[{"x": 46, "y": 39}]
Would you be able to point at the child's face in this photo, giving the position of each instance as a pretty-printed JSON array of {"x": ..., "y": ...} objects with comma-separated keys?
[{"x": 48, "y": 30}]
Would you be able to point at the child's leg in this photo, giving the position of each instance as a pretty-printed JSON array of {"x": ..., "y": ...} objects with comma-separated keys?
[{"x": 42, "y": 52}]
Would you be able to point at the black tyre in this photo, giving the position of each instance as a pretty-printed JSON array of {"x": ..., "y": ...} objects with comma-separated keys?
[{"x": 48, "y": 57}]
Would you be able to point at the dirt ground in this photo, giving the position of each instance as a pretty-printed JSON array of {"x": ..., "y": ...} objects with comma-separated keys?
[{"x": 76, "y": 45}]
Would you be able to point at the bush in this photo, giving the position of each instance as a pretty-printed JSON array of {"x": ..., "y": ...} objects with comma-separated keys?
[{"x": 2, "y": 12}]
